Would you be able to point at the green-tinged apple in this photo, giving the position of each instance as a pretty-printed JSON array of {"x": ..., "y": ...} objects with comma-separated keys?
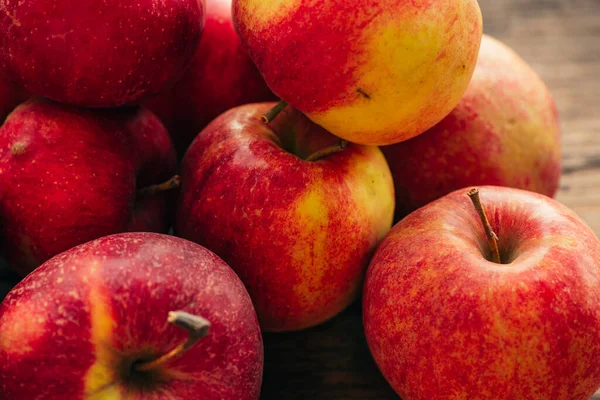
[
  {"x": 369, "y": 71},
  {"x": 504, "y": 132},
  {"x": 71, "y": 175},
  {"x": 493, "y": 297},
  {"x": 104, "y": 321},
  {"x": 292, "y": 209}
]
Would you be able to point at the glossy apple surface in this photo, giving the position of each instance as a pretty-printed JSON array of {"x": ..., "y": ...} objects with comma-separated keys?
[
  {"x": 98, "y": 53},
  {"x": 298, "y": 233},
  {"x": 83, "y": 321},
  {"x": 505, "y": 131},
  {"x": 373, "y": 72},
  {"x": 221, "y": 76},
  {"x": 444, "y": 322},
  {"x": 70, "y": 175}
]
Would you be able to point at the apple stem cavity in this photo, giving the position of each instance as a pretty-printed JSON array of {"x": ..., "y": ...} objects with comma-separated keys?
[
  {"x": 172, "y": 183},
  {"x": 336, "y": 148},
  {"x": 489, "y": 232},
  {"x": 197, "y": 328},
  {"x": 274, "y": 112}
]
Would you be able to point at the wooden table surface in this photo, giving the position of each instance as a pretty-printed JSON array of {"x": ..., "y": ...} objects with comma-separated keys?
[{"x": 561, "y": 40}]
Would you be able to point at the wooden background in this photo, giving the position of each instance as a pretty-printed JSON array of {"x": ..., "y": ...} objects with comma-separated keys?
[{"x": 561, "y": 40}]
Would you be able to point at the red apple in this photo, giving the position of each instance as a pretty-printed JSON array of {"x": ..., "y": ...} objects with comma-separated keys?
[
  {"x": 70, "y": 175},
  {"x": 370, "y": 71},
  {"x": 98, "y": 53},
  {"x": 11, "y": 95},
  {"x": 505, "y": 131},
  {"x": 221, "y": 76},
  {"x": 91, "y": 323},
  {"x": 293, "y": 213},
  {"x": 444, "y": 320}
]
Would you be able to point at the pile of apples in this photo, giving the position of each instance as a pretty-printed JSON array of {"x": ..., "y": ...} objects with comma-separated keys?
[{"x": 163, "y": 210}]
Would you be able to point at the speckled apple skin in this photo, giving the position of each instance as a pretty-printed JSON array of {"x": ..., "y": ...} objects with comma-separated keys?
[
  {"x": 70, "y": 175},
  {"x": 221, "y": 76},
  {"x": 373, "y": 72},
  {"x": 443, "y": 322},
  {"x": 65, "y": 327},
  {"x": 505, "y": 131},
  {"x": 299, "y": 234},
  {"x": 94, "y": 53}
]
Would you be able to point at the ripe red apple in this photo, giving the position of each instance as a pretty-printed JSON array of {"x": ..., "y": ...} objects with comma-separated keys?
[
  {"x": 221, "y": 76},
  {"x": 91, "y": 323},
  {"x": 98, "y": 53},
  {"x": 443, "y": 320},
  {"x": 70, "y": 175},
  {"x": 505, "y": 131},
  {"x": 295, "y": 214},
  {"x": 370, "y": 71}
]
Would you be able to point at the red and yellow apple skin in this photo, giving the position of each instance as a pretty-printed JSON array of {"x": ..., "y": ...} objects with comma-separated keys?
[
  {"x": 221, "y": 76},
  {"x": 373, "y": 72},
  {"x": 98, "y": 53},
  {"x": 70, "y": 175},
  {"x": 298, "y": 233},
  {"x": 505, "y": 131},
  {"x": 79, "y": 322},
  {"x": 444, "y": 322}
]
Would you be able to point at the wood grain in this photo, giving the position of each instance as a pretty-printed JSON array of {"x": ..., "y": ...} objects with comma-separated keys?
[{"x": 561, "y": 40}]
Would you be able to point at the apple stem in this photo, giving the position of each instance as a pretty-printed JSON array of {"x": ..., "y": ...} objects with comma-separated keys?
[
  {"x": 489, "y": 232},
  {"x": 335, "y": 148},
  {"x": 172, "y": 183},
  {"x": 274, "y": 112},
  {"x": 197, "y": 328}
]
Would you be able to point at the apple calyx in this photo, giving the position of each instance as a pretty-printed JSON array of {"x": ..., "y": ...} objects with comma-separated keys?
[
  {"x": 197, "y": 328},
  {"x": 489, "y": 232},
  {"x": 172, "y": 183},
  {"x": 335, "y": 148},
  {"x": 273, "y": 112}
]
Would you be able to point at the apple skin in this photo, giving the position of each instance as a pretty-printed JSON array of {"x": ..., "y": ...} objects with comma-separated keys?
[
  {"x": 109, "y": 303},
  {"x": 221, "y": 76},
  {"x": 373, "y": 72},
  {"x": 70, "y": 175},
  {"x": 298, "y": 233},
  {"x": 98, "y": 53},
  {"x": 443, "y": 322},
  {"x": 505, "y": 131}
]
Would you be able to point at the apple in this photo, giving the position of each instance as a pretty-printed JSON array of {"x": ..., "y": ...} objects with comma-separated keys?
[
  {"x": 91, "y": 323},
  {"x": 455, "y": 310},
  {"x": 11, "y": 95},
  {"x": 71, "y": 175},
  {"x": 505, "y": 131},
  {"x": 369, "y": 71},
  {"x": 294, "y": 211},
  {"x": 98, "y": 53},
  {"x": 221, "y": 76}
]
